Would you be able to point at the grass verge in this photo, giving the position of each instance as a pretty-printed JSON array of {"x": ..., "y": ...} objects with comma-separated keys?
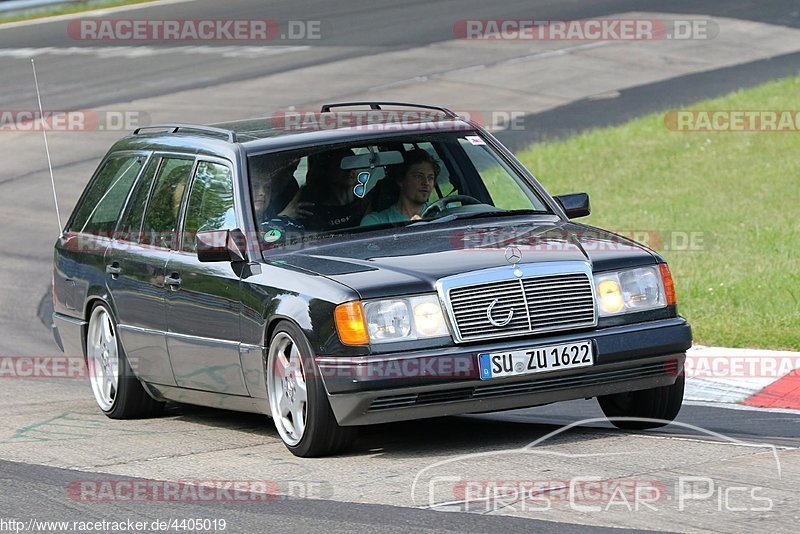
[
  {"x": 737, "y": 195},
  {"x": 68, "y": 9}
]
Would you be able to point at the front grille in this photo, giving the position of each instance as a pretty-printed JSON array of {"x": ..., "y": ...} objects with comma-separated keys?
[{"x": 522, "y": 306}]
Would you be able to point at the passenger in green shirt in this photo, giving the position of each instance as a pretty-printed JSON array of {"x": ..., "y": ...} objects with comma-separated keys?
[{"x": 416, "y": 177}]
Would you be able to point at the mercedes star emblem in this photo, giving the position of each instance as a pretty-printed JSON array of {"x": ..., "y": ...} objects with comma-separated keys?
[{"x": 514, "y": 256}]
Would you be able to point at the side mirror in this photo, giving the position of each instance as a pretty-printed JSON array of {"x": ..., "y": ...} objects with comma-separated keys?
[
  {"x": 575, "y": 204},
  {"x": 221, "y": 245}
]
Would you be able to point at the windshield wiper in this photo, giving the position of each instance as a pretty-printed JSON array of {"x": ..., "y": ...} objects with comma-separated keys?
[{"x": 480, "y": 214}]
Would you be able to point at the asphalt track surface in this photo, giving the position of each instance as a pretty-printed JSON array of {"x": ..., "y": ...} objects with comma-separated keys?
[{"x": 351, "y": 29}]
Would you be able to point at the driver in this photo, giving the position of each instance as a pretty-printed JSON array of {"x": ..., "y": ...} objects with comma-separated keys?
[
  {"x": 275, "y": 190},
  {"x": 415, "y": 180}
]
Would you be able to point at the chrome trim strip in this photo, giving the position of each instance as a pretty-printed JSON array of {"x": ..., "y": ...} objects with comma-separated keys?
[
  {"x": 199, "y": 339},
  {"x": 67, "y": 319},
  {"x": 348, "y": 361},
  {"x": 140, "y": 330},
  {"x": 175, "y": 335},
  {"x": 527, "y": 308},
  {"x": 505, "y": 274}
]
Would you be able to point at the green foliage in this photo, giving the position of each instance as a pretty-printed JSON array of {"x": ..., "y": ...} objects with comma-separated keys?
[{"x": 736, "y": 194}]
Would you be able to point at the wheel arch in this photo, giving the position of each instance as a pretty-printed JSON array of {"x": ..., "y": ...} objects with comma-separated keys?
[{"x": 91, "y": 302}]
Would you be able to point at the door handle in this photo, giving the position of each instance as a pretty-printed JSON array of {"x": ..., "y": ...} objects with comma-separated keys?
[
  {"x": 173, "y": 281},
  {"x": 114, "y": 270}
]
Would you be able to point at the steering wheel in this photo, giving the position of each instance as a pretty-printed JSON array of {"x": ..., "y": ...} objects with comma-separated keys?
[{"x": 441, "y": 204}]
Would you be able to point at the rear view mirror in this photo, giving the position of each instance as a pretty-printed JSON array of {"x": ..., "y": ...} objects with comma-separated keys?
[
  {"x": 221, "y": 245},
  {"x": 575, "y": 204},
  {"x": 376, "y": 159}
]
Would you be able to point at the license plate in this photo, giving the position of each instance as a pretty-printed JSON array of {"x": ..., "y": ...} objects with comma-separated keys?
[{"x": 536, "y": 360}]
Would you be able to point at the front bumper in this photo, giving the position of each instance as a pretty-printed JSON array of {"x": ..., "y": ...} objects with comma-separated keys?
[{"x": 440, "y": 382}]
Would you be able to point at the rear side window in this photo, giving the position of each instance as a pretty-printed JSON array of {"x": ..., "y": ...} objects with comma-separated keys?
[
  {"x": 131, "y": 223},
  {"x": 161, "y": 219},
  {"x": 210, "y": 205},
  {"x": 104, "y": 199}
]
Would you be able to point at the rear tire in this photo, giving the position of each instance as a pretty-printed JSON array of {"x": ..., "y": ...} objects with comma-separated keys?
[
  {"x": 661, "y": 403},
  {"x": 117, "y": 391},
  {"x": 298, "y": 400}
]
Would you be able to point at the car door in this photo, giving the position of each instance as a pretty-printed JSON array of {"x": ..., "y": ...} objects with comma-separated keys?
[
  {"x": 80, "y": 266},
  {"x": 203, "y": 300},
  {"x": 136, "y": 263}
]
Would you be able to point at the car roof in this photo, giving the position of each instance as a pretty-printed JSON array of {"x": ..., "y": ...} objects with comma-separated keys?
[
  {"x": 261, "y": 135},
  {"x": 296, "y": 129}
]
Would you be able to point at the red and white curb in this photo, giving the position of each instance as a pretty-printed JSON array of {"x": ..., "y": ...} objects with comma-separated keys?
[{"x": 750, "y": 377}]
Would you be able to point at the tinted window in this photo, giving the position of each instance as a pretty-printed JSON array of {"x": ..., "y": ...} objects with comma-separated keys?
[
  {"x": 210, "y": 205},
  {"x": 104, "y": 199},
  {"x": 131, "y": 222},
  {"x": 389, "y": 182},
  {"x": 161, "y": 220}
]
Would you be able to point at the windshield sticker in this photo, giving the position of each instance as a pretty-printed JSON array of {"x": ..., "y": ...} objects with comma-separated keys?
[
  {"x": 272, "y": 235},
  {"x": 361, "y": 187},
  {"x": 475, "y": 140}
]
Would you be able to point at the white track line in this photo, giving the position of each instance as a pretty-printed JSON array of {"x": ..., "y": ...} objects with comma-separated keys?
[
  {"x": 132, "y": 52},
  {"x": 740, "y": 407}
]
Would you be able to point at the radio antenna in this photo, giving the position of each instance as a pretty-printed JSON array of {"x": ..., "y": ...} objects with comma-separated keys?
[{"x": 46, "y": 146}]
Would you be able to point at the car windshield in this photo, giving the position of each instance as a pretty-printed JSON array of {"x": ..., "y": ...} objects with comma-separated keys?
[{"x": 418, "y": 179}]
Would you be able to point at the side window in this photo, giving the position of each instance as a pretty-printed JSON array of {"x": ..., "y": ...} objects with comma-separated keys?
[
  {"x": 101, "y": 206},
  {"x": 210, "y": 205},
  {"x": 161, "y": 219},
  {"x": 499, "y": 179},
  {"x": 131, "y": 223}
]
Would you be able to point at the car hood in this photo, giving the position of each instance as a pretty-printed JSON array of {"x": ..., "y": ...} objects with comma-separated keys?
[{"x": 411, "y": 260}]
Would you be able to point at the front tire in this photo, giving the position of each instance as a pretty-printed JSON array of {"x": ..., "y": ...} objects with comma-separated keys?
[
  {"x": 117, "y": 391},
  {"x": 297, "y": 398},
  {"x": 660, "y": 405}
]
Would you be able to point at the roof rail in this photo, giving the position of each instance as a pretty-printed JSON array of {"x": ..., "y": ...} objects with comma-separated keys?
[
  {"x": 377, "y": 106},
  {"x": 176, "y": 127}
]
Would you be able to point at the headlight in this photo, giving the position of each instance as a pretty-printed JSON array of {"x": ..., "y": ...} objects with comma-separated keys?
[
  {"x": 632, "y": 290},
  {"x": 398, "y": 319},
  {"x": 388, "y": 320}
]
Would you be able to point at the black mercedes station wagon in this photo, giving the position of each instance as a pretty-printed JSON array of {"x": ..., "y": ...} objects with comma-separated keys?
[{"x": 371, "y": 263}]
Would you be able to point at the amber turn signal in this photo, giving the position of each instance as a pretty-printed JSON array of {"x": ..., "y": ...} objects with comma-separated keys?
[
  {"x": 669, "y": 285},
  {"x": 350, "y": 324}
]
